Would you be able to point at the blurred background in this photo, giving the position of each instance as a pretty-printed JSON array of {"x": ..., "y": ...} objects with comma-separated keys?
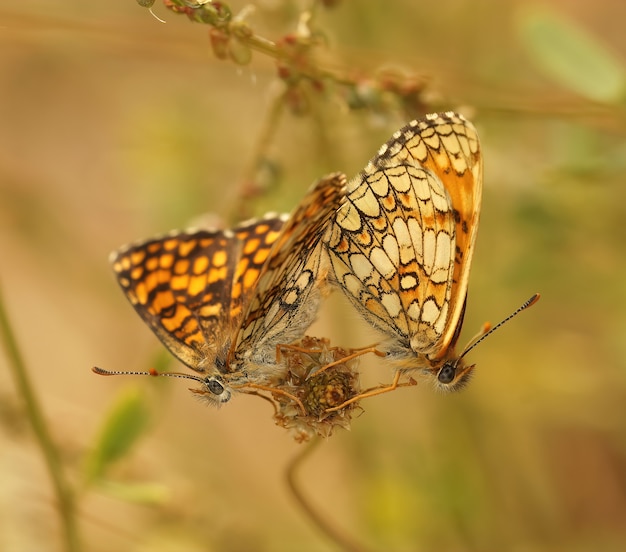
[{"x": 115, "y": 127}]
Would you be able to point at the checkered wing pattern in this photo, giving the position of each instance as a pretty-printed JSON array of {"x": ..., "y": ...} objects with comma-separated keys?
[
  {"x": 290, "y": 288},
  {"x": 189, "y": 287},
  {"x": 401, "y": 243}
]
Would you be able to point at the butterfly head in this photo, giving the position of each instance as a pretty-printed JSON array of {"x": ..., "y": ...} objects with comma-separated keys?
[
  {"x": 453, "y": 375},
  {"x": 213, "y": 390}
]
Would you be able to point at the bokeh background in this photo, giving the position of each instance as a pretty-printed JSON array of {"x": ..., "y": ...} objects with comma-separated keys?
[{"x": 115, "y": 127}]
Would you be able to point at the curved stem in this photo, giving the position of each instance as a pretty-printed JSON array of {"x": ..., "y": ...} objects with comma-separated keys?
[
  {"x": 342, "y": 540},
  {"x": 64, "y": 495}
]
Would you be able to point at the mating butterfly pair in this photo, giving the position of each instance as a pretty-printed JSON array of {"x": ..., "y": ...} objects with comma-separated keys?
[{"x": 398, "y": 241}]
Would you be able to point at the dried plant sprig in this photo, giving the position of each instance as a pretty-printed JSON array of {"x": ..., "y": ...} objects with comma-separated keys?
[
  {"x": 316, "y": 389},
  {"x": 233, "y": 38}
]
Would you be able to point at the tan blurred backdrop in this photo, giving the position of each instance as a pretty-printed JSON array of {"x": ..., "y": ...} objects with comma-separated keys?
[{"x": 115, "y": 127}]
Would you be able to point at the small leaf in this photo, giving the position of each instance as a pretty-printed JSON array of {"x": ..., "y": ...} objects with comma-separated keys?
[
  {"x": 571, "y": 56},
  {"x": 125, "y": 423},
  {"x": 141, "y": 493}
]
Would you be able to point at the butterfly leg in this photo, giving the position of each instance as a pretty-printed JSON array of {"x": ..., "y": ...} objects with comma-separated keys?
[
  {"x": 354, "y": 353},
  {"x": 281, "y": 349},
  {"x": 376, "y": 391},
  {"x": 264, "y": 397},
  {"x": 275, "y": 391}
]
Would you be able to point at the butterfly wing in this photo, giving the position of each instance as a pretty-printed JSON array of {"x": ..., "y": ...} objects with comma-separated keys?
[
  {"x": 287, "y": 296},
  {"x": 182, "y": 285},
  {"x": 402, "y": 241},
  {"x": 257, "y": 238}
]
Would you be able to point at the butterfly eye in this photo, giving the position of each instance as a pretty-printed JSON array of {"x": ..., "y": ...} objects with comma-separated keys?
[
  {"x": 215, "y": 386},
  {"x": 447, "y": 373}
]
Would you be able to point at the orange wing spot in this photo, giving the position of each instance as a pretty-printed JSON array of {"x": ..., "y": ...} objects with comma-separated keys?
[
  {"x": 163, "y": 300},
  {"x": 154, "y": 247},
  {"x": 236, "y": 291},
  {"x": 174, "y": 323},
  {"x": 271, "y": 237},
  {"x": 166, "y": 261},
  {"x": 170, "y": 244},
  {"x": 209, "y": 310},
  {"x": 150, "y": 281},
  {"x": 261, "y": 256},
  {"x": 235, "y": 312},
  {"x": 242, "y": 266},
  {"x": 200, "y": 265},
  {"x": 136, "y": 273},
  {"x": 389, "y": 203},
  {"x": 251, "y": 246},
  {"x": 184, "y": 248},
  {"x": 380, "y": 223},
  {"x": 197, "y": 285},
  {"x": 206, "y": 242},
  {"x": 250, "y": 278},
  {"x": 191, "y": 330},
  {"x": 141, "y": 293},
  {"x": 152, "y": 263},
  {"x": 181, "y": 266},
  {"x": 163, "y": 276},
  {"x": 343, "y": 245},
  {"x": 137, "y": 257},
  {"x": 217, "y": 275},
  {"x": 262, "y": 229},
  {"x": 220, "y": 258},
  {"x": 191, "y": 339},
  {"x": 365, "y": 238},
  {"x": 125, "y": 263},
  {"x": 179, "y": 282}
]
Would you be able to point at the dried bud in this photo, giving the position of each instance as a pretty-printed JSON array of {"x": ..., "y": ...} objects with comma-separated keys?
[{"x": 219, "y": 43}]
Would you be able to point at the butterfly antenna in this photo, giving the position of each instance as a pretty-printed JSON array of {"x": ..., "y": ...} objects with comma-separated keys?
[
  {"x": 151, "y": 372},
  {"x": 529, "y": 303}
]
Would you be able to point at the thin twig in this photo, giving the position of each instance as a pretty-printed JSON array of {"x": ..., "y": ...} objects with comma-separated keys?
[
  {"x": 342, "y": 540},
  {"x": 251, "y": 186},
  {"x": 64, "y": 494}
]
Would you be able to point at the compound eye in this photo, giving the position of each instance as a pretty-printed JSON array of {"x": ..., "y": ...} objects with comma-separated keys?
[
  {"x": 215, "y": 387},
  {"x": 447, "y": 373}
]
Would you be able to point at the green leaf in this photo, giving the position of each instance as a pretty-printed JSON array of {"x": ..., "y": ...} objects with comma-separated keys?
[
  {"x": 141, "y": 493},
  {"x": 125, "y": 423},
  {"x": 571, "y": 56}
]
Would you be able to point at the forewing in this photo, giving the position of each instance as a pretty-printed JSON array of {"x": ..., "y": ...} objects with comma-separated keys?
[
  {"x": 402, "y": 241},
  {"x": 257, "y": 238},
  {"x": 286, "y": 299},
  {"x": 181, "y": 287}
]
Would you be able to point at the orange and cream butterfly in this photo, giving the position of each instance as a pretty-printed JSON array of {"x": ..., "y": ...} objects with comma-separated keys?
[
  {"x": 222, "y": 301},
  {"x": 401, "y": 244}
]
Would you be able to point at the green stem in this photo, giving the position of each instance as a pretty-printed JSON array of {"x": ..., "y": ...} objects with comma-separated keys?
[{"x": 63, "y": 492}]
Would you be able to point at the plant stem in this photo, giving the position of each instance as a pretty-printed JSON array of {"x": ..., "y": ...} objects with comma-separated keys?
[
  {"x": 62, "y": 490},
  {"x": 343, "y": 541}
]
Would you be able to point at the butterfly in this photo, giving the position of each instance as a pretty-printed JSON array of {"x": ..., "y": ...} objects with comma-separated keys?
[
  {"x": 402, "y": 241},
  {"x": 222, "y": 301}
]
